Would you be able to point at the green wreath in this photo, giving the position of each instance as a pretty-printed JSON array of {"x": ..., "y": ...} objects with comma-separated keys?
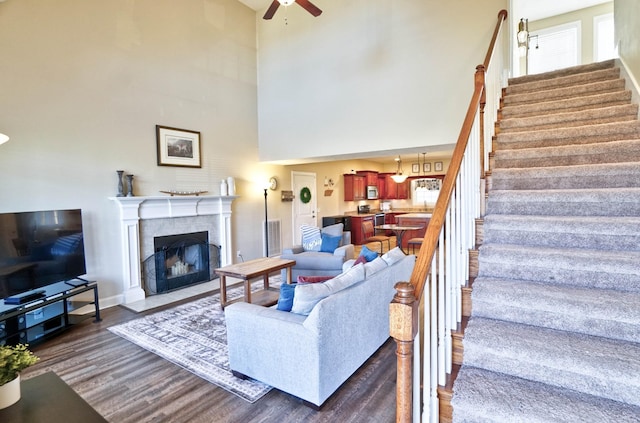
[{"x": 305, "y": 195}]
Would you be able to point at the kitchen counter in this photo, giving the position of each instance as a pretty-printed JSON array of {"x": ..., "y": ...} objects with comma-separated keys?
[{"x": 416, "y": 215}]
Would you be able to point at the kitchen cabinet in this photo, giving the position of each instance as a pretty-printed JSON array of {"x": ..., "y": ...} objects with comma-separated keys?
[
  {"x": 413, "y": 219},
  {"x": 370, "y": 177},
  {"x": 355, "y": 187},
  {"x": 357, "y": 237},
  {"x": 393, "y": 190},
  {"x": 382, "y": 186}
]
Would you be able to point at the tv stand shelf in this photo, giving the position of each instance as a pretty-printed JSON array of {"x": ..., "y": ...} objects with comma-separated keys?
[{"x": 37, "y": 320}]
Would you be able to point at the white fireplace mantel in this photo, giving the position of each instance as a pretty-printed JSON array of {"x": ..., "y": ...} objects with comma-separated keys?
[{"x": 135, "y": 209}]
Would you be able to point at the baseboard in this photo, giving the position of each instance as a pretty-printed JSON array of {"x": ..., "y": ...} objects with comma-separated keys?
[{"x": 633, "y": 82}]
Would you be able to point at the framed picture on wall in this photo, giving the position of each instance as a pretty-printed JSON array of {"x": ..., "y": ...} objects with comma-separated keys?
[
  {"x": 426, "y": 167},
  {"x": 178, "y": 147},
  {"x": 437, "y": 166},
  {"x": 415, "y": 168}
]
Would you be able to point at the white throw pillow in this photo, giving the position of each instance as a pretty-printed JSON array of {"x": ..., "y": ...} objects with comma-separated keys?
[
  {"x": 393, "y": 256},
  {"x": 311, "y": 238},
  {"x": 308, "y": 295}
]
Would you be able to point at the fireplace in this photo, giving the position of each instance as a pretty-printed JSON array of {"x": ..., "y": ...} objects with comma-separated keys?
[
  {"x": 179, "y": 261},
  {"x": 144, "y": 218}
]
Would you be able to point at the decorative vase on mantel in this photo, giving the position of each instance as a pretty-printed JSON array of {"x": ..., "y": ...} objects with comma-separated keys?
[{"x": 10, "y": 393}]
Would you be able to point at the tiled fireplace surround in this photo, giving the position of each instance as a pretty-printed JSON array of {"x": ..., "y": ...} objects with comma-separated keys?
[{"x": 143, "y": 218}]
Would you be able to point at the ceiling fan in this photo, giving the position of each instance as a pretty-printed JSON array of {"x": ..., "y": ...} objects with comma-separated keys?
[{"x": 306, "y": 5}]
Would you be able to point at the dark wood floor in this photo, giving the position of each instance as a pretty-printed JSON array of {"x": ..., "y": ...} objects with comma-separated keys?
[{"x": 126, "y": 383}]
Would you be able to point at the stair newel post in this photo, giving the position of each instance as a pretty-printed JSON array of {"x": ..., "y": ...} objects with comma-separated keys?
[
  {"x": 403, "y": 325},
  {"x": 479, "y": 82}
]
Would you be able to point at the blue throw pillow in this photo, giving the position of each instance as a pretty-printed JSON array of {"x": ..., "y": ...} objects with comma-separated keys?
[
  {"x": 329, "y": 243},
  {"x": 368, "y": 254},
  {"x": 285, "y": 300}
]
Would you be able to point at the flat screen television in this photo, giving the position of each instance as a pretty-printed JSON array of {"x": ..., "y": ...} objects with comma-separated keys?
[{"x": 40, "y": 248}]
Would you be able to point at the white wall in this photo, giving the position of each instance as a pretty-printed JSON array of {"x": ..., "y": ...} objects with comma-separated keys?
[
  {"x": 83, "y": 85},
  {"x": 627, "y": 21},
  {"x": 368, "y": 75}
]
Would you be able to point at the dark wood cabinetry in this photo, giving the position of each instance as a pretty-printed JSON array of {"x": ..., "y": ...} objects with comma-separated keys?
[
  {"x": 391, "y": 189},
  {"x": 355, "y": 187},
  {"x": 357, "y": 237},
  {"x": 370, "y": 177}
]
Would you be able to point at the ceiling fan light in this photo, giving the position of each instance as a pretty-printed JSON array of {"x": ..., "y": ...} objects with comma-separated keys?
[{"x": 286, "y": 2}]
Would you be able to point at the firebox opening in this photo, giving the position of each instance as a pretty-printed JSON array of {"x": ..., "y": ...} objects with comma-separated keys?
[{"x": 179, "y": 261}]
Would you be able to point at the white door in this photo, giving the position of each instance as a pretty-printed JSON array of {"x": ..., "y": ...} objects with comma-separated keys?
[{"x": 304, "y": 213}]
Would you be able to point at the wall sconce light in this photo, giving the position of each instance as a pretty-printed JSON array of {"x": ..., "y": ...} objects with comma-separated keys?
[
  {"x": 3, "y": 138},
  {"x": 524, "y": 38},
  {"x": 399, "y": 177}
]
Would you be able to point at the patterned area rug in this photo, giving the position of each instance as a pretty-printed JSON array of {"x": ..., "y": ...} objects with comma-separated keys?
[{"x": 194, "y": 336}]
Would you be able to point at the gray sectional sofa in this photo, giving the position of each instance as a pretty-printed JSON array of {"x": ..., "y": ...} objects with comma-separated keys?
[{"x": 310, "y": 356}]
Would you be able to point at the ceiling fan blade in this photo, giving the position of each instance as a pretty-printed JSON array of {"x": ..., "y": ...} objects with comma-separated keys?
[
  {"x": 271, "y": 10},
  {"x": 309, "y": 7}
]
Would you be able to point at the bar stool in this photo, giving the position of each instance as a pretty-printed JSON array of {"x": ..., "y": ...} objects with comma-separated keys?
[{"x": 412, "y": 243}]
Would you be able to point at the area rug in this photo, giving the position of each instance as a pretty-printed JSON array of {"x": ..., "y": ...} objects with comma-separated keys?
[{"x": 194, "y": 336}]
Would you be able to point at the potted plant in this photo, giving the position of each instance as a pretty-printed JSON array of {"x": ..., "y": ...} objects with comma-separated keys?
[{"x": 13, "y": 359}]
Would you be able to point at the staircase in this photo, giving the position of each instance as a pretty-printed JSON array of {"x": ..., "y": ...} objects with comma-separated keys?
[{"x": 554, "y": 332}]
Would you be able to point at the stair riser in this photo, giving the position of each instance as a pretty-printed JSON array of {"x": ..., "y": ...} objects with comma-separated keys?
[
  {"x": 566, "y": 106},
  {"x": 564, "y": 239},
  {"x": 583, "y": 78},
  {"x": 618, "y": 180},
  {"x": 565, "y": 120},
  {"x": 560, "y": 73},
  {"x": 505, "y": 161},
  {"x": 562, "y": 271},
  {"x": 551, "y": 367},
  {"x": 563, "y": 93}
]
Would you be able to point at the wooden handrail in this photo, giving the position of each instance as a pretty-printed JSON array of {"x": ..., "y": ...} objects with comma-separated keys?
[{"x": 403, "y": 309}]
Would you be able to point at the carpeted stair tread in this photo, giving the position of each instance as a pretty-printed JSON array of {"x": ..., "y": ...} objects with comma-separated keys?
[
  {"x": 562, "y": 266},
  {"x": 563, "y": 202},
  {"x": 617, "y": 113},
  {"x": 564, "y": 81},
  {"x": 604, "y": 152},
  {"x": 607, "y": 313},
  {"x": 605, "y": 233},
  {"x": 557, "y": 93},
  {"x": 567, "y": 105},
  {"x": 586, "y": 134},
  {"x": 602, "y": 175},
  {"x": 491, "y": 397},
  {"x": 565, "y": 359},
  {"x": 559, "y": 73}
]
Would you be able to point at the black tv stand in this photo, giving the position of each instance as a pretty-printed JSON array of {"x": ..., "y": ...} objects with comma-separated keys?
[
  {"x": 40, "y": 319},
  {"x": 75, "y": 282}
]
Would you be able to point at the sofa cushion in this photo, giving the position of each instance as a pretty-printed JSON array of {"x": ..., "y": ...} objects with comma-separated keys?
[
  {"x": 313, "y": 279},
  {"x": 374, "y": 266},
  {"x": 308, "y": 295},
  {"x": 360, "y": 259},
  {"x": 311, "y": 238},
  {"x": 368, "y": 254},
  {"x": 393, "y": 256},
  {"x": 329, "y": 243},
  {"x": 285, "y": 300}
]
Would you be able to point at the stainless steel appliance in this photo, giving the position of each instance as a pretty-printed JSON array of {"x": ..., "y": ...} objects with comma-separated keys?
[
  {"x": 372, "y": 192},
  {"x": 364, "y": 209}
]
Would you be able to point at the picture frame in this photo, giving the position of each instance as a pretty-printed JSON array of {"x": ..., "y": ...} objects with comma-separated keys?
[
  {"x": 415, "y": 168},
  {"x": 178, "y": 147},
  {"x": 426, "y": 167},
  {"x": 437, "y": 166}
]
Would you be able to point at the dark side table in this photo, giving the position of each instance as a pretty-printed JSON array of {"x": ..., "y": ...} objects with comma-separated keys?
[{"x": 46, "y": 398}]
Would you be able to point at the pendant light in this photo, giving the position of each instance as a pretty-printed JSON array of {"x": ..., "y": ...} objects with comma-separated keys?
[{"x": 399, "y": 177}]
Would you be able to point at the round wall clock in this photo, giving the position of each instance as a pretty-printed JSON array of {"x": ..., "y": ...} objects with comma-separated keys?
[{"x": 273, "y": 183}]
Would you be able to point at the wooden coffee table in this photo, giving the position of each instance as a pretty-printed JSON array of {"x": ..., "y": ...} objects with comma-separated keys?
[{"x": 252, "y": 269}]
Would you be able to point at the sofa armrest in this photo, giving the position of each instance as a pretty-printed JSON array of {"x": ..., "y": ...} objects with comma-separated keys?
[
  {"x": 346, "y": 252},
  {"x": 296, "y": 249}
]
